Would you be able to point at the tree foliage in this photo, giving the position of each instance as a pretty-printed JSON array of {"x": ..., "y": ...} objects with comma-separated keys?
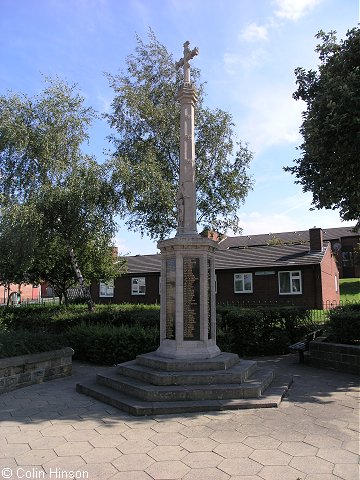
[
  {"x": 146, "y": 117},
  {"x": 329, "y": 165},
  {"x": 44, "y": 171}
]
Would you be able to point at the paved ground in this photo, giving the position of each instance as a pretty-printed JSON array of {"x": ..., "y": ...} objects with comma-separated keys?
[{"x": 50, "y": 431}]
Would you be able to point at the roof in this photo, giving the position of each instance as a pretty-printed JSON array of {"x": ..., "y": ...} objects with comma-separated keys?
[
  {"x": 255, "y": 257},
  {"x": 301, "y": 236}
]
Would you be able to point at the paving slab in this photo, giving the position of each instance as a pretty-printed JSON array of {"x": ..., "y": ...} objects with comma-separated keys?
[{"x": 313, "y": 434}]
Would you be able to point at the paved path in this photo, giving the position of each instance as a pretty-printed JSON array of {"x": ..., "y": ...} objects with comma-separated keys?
[{"x": 49, "y": 431}]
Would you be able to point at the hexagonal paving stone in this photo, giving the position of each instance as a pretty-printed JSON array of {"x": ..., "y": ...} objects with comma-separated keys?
[
  {"x": 164, "y": 453},
  {"x": 199, "y": 444},
  {"x": 101, "y": 471},
  {"x": 337, "y": 455},
  {"x": 234, "y": 450},
  {"x": 167, "y": 427},
  {"x": 352, "y": 446},
  {"x": 298, "y": 449},
  {"x": 322, "y": 441},
  {"x": 101, "y": 455},
  {"x": 23, "y": 437},
  {"x": 276, "y": 472},
  {"x": 240, "y": 466},
  {"x": 270, "y": 457},
  {"x": 8, "y": 451},
  {"x": 47, "y": 442},
  {"x": 221, "y": 425},
  {"x": 107, "y": 440},
  {"x": 253, "y": 430},
  {"x": 110, "y": 428},
  {"x": 132, "y": 475},
  {"x": 136, "y": 446},
  {"x": 133, "y": 461},
  {"x": 57, "y": 430},
  {"x": 207, "y": 474},
  {"x": 228, "y": 436},
  {"x": 347, "y": 471},
  {"x": 138, "y": 434},
  {"x": 196, "y": 431},
  {"x": 81, "y": 435},
  {"x": 165, "y": 470},
  {"x": 73, "y": 448},
  {"x": 73, "y": 462},
  {"x": 167, "y": 438},
  {"x": 35, "y": 457},
  {"x": 262, "y": 442},
  {"x": 287, "y": 435},
  {"x": 202, "y": 459},
  {"x": 312, "y": 465}
]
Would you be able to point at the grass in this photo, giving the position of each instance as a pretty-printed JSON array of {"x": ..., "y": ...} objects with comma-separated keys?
[{"x": 350, "y": 290}]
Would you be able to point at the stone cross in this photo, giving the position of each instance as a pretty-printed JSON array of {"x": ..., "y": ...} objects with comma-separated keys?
[{"x": 184, "y": 62}]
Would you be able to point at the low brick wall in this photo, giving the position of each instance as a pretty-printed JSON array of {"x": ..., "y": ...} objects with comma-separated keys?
[
  {"x": 24, "y": 370},
  {"x": 338, "y": 356}
]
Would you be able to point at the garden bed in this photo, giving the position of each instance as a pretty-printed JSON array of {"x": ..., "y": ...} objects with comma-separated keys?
[{"x": 24, "y": 370}]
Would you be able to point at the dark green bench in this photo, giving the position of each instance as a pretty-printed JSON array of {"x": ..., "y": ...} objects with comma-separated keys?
[{"x": 303, "y": 346}]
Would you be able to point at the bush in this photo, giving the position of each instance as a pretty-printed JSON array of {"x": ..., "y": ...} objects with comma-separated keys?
[
  {"x": 109, "y": 344},
  {"x": 344, "y": 324},
  {"x": 24, "y": 342},
  {"x": 57, "y": 318},
  {"x": 261, "y": 330}
]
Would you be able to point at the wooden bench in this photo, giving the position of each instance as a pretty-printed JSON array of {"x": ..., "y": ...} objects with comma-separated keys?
[{"x": 303, "y": 346}]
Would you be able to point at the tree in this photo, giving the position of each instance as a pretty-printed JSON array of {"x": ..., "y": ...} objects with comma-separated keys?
[
  {"x": 145, "y": 162},
  {"x": 329, "y": 165},
  {"x": 43, "y": 170},
  {"x": 16, "y": 245}
]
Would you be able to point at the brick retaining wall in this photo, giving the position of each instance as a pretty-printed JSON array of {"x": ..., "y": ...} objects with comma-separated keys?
[
  {"x": 24, "y": 370},
  {"x": 338, "y": 356}
]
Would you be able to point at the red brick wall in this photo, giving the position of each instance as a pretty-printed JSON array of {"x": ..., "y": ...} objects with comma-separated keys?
[
  {"x": 28, "y": 293},
  {"x": 329, "y": 271}
]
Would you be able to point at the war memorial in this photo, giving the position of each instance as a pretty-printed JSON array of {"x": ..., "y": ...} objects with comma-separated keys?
[{"x": 188, "y": 372}]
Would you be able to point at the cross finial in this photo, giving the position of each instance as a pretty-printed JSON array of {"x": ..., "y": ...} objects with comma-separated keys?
[{"x": 184, "y": 62}]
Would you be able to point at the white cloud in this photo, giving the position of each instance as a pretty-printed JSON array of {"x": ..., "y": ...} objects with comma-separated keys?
[
  {"x": 294, "y": 9},
  {"x": 274, "y": 118},
  {"x": 254, "y": 32}
]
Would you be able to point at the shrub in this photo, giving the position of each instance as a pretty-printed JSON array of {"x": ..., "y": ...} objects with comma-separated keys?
[
  {"x": 344, "y": 324},
  {"x": 24, "y": 342},
  {"x": 109, "y": 344},
  {"x": 261, "y": 330}
]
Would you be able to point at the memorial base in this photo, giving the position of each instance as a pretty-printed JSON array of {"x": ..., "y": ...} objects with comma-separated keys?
[
  {"x": 151, "y": 385},
  {"x": 189, "y": 350}
]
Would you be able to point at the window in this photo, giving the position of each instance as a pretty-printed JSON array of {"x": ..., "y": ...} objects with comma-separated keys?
[
  {"x": 106, "y": 289},
  {"x": 348, "y": 258},
  {"x": 290, "y": 283},
  {"x": 336, "y": 284},
  {"x": 138, "y": 286},
  {"x": 243, "y": 283}
]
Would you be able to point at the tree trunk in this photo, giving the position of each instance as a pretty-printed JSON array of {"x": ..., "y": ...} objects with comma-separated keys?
[{"x": 80, "y": 279}]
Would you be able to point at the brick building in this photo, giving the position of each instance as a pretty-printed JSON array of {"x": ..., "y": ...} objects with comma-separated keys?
[{"x": 284, "y": 274}]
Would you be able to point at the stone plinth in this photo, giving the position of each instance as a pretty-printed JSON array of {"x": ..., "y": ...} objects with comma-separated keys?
[{"x": 188, "y": 316}]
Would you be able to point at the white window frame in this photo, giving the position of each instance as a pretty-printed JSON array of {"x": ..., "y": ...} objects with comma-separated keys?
[
  {"x": 241, "y": 276},
  {"x": 136, "y": 286},
  {"x": 106, "y": 289},
  {"x": 293, "y": 275}
]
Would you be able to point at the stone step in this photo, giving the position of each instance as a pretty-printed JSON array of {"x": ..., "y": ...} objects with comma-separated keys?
[
  {"x": 235, "y": 374},
  {"x": 250, "y": 388},
  {"x": 270, "y": 399},
  {"x": 224, "y": 361}
]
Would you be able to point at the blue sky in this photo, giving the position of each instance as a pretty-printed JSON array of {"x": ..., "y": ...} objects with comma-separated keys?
[{"x": 248, "y": 52}]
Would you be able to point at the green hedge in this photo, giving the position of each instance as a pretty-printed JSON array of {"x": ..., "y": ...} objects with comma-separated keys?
[
  {"x": 109, "y": 345},
  {"x": 24, "y": 342},
  {"x": 57, "y": 318},
  {"x": 344, "y": 324},
  {"x": 261, "y": 330}
]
